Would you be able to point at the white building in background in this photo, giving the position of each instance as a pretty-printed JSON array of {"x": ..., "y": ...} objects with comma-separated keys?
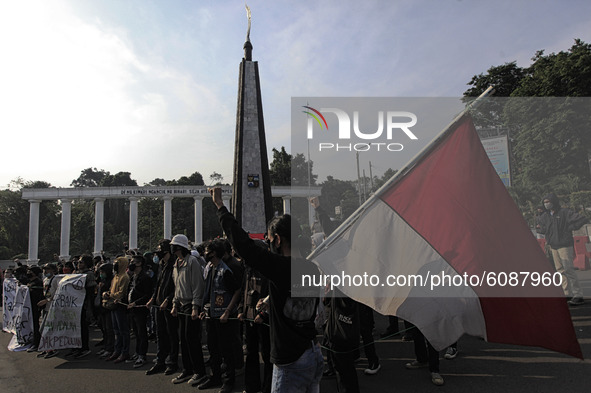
[{"x": 133, "y": 194}]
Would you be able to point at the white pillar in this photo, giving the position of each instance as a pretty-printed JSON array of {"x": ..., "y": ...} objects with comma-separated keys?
[
  {"x": 167, "y": 217},
  {"x": 33, "y": 231},
  {"x": 226, "y": 200},
  {"x": 198, "y": 219},
  {"x": 99, "y": 217},
  {"x": 133, "y": 208},
  {"x": 286, "y": 204},
  {"x": 65, "y": 234},
  {"x": 311, "y": 214}
]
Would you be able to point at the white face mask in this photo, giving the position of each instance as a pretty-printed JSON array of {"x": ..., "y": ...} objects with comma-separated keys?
[{"x": 548, "y": 205}]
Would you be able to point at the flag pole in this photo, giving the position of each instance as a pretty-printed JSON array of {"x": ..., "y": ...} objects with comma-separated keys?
[{"x": 411, "y": 164}]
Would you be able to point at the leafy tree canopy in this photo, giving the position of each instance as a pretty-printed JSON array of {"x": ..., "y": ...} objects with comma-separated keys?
[{"x": 549, "y": 139}]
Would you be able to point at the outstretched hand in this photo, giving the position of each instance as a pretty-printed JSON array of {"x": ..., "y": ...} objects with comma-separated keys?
[
  {"x": 216, "y": 196},
  {"x": 315, "y": 202}
]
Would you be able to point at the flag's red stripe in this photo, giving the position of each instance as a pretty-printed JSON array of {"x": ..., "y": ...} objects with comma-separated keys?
[{"x": 456, "y": 201}]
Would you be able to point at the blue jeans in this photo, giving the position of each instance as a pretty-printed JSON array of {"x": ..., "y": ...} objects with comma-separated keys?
[
  {"x": 121, "y": 330},
  {"x": 301, "y": 376}
]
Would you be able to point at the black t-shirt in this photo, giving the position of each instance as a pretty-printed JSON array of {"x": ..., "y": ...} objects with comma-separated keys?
[{"x": 291, "y": 319}]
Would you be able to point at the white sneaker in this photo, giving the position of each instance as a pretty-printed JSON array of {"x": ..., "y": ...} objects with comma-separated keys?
[
  {"x": 139, "y": 362},
  {"x": 372, "y": 369},
  {"x": 437, "y": 379},
  {"x": 451, "y": 353}
]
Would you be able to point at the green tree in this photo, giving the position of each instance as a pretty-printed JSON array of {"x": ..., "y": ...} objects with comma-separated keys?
[
  {"x": 14, "y": 222},
  {"x": 333, "y": 192},
  {"x": 280, "y": 168},
  {"x": 216, "y": 179},
  {"x": 549, "y": 139},
  {"x": 90, "y": 177}
]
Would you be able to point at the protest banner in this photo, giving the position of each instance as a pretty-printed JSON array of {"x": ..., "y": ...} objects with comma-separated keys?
[
  {"x": 61, "y": 328},
  {"x": 16, "y": 314}
]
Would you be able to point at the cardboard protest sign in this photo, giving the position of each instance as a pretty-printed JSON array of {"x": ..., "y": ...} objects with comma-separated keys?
[{"x": 61, "y": 328}]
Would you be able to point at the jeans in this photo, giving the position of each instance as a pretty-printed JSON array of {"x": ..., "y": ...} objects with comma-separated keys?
[
  {"x": 121, "y": 329},
  {"x": 106, "y": 322},
  {"x": 344, "y": 363},
  {"x": 191, "y": 351},
  {"x": 220, "y": 346},
  {"x": 167, "y": 346},
  {"x": 425, "y": 351},
  {"x": 301, "y": 376},
  {"x": 366, "y": 325},
  {"x": 140, "y": 316},
  {"x": 257, "y": 336}
]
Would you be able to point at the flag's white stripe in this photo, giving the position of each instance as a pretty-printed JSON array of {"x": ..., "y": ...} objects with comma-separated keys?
[{"x": 381, "y": 243}]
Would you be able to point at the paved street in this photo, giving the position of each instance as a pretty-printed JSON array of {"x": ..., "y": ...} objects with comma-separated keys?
[{"x": 480, "y": 366}]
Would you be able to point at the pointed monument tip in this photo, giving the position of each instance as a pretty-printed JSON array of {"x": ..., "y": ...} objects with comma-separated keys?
[{"x": 247, "y": 50}]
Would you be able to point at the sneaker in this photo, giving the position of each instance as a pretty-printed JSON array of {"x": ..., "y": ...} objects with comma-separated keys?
[
  {"x": 99, "y": 353},
  {"x": 121, "y": 358},
  {"x": 451, "y": 353},
  {"x": 437, "y": 379},
  {"x": 132, "y": 359},
  {"x": 185, "y": 376},
  {"x": 196, "y": 379},
  {"x": 42, "y": 354},
  {"x": 416, "y": 364},
  {"x": 171, "y": 369},
  {"x": 576, "y": 301},
  {"x": 114, "y": 356},
  {"x": 329, "y": 372},
  {"x": 156, "y": 369},
  {"x": 373, "y": 369},
  {"x": 227, "y": 388},
  {"x": 73, "y": 352},
  {"x": 141, "y": 360},
  {"x": 106, "y": 355},
  {"x": 82, "y": 354},
  {"x": 34, "y": 348},
  {"x": 51, "y": 354},
  {"x": 210, "y": 383}
]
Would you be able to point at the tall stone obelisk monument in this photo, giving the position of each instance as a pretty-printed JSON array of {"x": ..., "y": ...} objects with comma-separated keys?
[{"x": 251, "y": 204}]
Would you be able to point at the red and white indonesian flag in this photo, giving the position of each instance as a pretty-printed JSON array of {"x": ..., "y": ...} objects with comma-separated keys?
[{"x": 449, "y": 214}]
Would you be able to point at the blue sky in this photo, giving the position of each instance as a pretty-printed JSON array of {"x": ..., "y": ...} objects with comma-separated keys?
[{"x": 150, "y": 87}]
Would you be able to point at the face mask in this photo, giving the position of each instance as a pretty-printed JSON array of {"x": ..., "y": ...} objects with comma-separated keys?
[
  {"x": 47, "y": 275},
  {"x": 150, "y": 273},
  {"x": 175, "y": 248},
  {"x": 548, "y": 205},
  {"x": 116, "y": 267},
  {"x": 156, "y": 259},
  {"x": 209, "y": 256}
]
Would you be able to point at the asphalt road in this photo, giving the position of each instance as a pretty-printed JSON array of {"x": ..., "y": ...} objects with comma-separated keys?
[{"x": 480, "y": 366}]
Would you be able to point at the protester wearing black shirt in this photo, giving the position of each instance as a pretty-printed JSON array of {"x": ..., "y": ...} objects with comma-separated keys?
[{"x": 297, "y": 358}]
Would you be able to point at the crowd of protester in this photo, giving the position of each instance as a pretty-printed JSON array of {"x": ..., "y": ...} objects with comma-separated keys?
[{"x": 232, "y": 297}]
